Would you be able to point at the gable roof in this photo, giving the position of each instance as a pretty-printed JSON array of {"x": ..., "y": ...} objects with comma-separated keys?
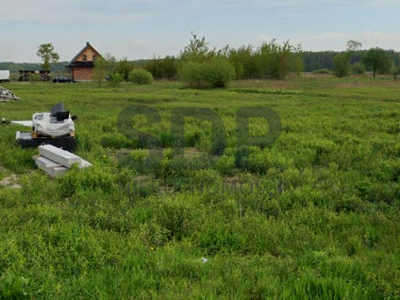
[{"x": 73, "y": 61}]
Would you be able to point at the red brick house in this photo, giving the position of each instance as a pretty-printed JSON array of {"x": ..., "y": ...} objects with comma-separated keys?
[{"x": 81, "y": 66}]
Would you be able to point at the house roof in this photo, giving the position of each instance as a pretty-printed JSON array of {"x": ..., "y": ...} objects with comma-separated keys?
[{"x": 73, "y": 62}]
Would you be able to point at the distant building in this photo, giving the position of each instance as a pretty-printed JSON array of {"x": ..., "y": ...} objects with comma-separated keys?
[
  {"x": 25, "y": 75},
  {"x": 81, "y": 66}
]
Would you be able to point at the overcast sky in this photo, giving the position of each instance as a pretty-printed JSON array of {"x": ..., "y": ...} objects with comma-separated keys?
[{"x": 140, "y": 29}]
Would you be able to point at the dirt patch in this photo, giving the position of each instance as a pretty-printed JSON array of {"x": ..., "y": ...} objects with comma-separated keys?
[{"x": 11, "y": 182}]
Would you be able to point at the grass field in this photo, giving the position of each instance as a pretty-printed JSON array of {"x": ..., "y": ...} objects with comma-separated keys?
[{"x": 315, "y": 216}]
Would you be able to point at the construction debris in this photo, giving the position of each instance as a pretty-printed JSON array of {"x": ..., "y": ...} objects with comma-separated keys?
[
  {"x": 22, "y": 123},
  {"x": 56, "y": 128},
  {"x": 7, "y": 95},
  {"x": 25, "y": 140},
  {"x": 57, "y": 123},
  {"x": 55, "y": 161},
  {"x": 59, "y": 156},
  {"x": 50, "y": 167}
]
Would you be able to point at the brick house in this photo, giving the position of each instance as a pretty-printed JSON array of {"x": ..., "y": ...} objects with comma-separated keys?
[{"x": 81, "y": 66}]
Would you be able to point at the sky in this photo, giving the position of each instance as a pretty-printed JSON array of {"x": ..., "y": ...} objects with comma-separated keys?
[{"x": 140, "y": 29}]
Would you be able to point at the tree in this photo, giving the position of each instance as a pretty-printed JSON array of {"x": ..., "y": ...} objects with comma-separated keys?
[
  {"x": 243, "y": 61},
  {"x": 377, "y": 60},
  {"x": 47, "y": 54},
  {"x": 358, "y": 68},
  {"x": 105, "y": 66},
  {"x": 353, "y": 46},
  {"x": 123, "y": 67},
  {"x": 276, "y": 61},
  {"x": 341, "y": 64},
  {"x": 163, "y": 67},
  {"x": 100, "y": 70},
  {"x": 115, "y": 79},
  {"x": 396, "y": 73},
  {"x": 197, "y": 50},
  {"x": 341, "y": 61}
]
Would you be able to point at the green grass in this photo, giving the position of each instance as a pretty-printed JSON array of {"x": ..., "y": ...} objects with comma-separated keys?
[{"x": 316, "y": 216}]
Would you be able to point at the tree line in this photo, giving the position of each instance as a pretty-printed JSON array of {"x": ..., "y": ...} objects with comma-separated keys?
[
  {"x": 324, "y": 59},
  {"x": 14, "y": 67},
  {"x": 274, "y": 60},
  {"x": 199, "y": 65}
]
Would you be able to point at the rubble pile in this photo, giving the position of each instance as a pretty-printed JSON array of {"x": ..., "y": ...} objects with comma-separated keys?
[{"x": 7, "y": 95}]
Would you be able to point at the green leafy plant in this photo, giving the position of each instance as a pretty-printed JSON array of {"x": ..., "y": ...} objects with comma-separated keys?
[
  {"x": 216, "y": 73},
  {"x": 140, "y": 76},
  {"x": 322, "y": 71},
  {"x": 341, "y": 64},
  {"x": 358, "y": 69}
]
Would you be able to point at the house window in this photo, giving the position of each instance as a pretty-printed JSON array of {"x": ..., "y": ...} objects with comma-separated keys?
[
  {"x": 94, "y": 57},
  {"x": 84, "y": 57}
]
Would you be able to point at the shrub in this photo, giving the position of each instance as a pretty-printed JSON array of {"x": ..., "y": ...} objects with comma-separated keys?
[
  {"x": 123, "y": 67},
  {"x": 358, "y": 69},
  {"x": 34, "y": 77},
  {"x": 216, "y": 73},
  {"x": 396, "y": 73},
  {"x": 163, "y": 67},
  {"x": 341, "y": 65},
  {"x": 141, "y": 76},
  {"x": 321, "y": 71},
  {"x": 219, "y": 73},
  {"x": 115, "y": 79},
  {"x": 274, "y": 60},
  {"x": 193, "y": 74}
]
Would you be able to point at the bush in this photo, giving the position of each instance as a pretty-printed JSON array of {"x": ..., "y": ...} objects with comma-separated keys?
[
  {"x": 276, "y": 61},
  {"x": 216, "y": 73},
  {"x": 358, "y": 69},
  {"x": 396, "y": 73},
  {"x": 163, "y": 67},
  {"x": 34, "y": 77},
  {"x": 115, "y": 79},
  {"x": 219, "y": 73},
  {"x": 192, "y": 74},
  {"x": 321, "y": 71},
  {"x": 341, "y": 65},
  {"x": 141, "y": 76}
]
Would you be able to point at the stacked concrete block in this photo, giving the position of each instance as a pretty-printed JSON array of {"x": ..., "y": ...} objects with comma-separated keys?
[{"x": 55, "y": 161}]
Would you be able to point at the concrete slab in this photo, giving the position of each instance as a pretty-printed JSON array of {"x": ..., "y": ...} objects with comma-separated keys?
[
  {"x": 43, "y": 162},
  {"x": 84, "y": 164},
  {"x": 50, "y": 167},
  {"x": 62, "y": 157},
  {"x": 23, "y": 123},
  {"x": 56, "y": 171}
]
